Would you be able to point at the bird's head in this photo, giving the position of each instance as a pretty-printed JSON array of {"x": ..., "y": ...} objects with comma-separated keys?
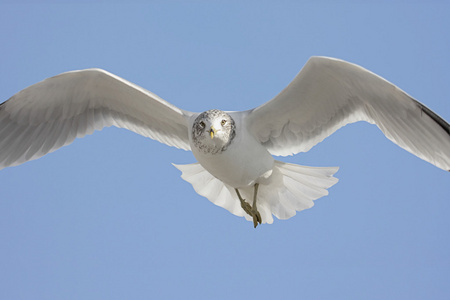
[{"x": 213, "y": 131}]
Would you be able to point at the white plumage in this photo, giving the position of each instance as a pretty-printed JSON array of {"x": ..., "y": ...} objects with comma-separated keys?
[
  {"x": 293, "y": 188},
  {"x": 326, "y": 95}
]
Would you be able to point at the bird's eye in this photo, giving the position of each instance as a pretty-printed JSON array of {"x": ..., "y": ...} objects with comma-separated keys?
[
  {"x": 223, "y": 122},
  {"x": 202, "y": 124}
]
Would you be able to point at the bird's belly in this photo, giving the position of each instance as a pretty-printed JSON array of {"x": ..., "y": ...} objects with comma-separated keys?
[{"x": 240, "y": 165}]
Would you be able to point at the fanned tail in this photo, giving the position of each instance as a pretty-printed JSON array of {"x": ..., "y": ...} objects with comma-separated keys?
[{"x": 292, "y": 188}]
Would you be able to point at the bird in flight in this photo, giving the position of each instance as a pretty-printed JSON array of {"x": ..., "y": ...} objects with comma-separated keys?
[{"x": 236, "y": 168}]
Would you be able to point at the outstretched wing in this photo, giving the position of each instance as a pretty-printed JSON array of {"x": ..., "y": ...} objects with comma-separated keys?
[
  {"x": 53, "y": 112},
  {"x": 328, "y": 94}
]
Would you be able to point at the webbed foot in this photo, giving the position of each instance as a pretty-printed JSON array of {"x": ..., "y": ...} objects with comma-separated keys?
[
  {"x": 246, "y": 207},
  {"x": 256, "y": 217},
  {"x": 252, "y": 211}
]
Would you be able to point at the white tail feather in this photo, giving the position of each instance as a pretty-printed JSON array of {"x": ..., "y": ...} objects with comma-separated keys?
[{"x": 292, "y": 188}]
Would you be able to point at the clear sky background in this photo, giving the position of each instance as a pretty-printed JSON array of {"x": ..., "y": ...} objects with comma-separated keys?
[{"x": 109, "y": 217}]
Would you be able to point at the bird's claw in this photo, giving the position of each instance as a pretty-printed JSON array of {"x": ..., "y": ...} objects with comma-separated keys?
[
  {"x": 252, "y": 212},
  {"x": 256, "y": 217},
  {"x": 247, "y": 208}
]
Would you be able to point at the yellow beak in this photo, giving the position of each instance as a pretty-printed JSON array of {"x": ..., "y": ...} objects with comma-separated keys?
[{"x": 211, "y": 132}]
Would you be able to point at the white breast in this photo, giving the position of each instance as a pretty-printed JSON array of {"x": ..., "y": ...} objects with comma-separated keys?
[{"x": 243, "y": 163}]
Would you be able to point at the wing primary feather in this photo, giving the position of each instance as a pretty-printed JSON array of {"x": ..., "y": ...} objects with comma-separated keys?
[
  {"x": 35, "y": 142},
  {"x": 53, "y": 133},
  {"x": 81, "y": 124},
  {"x": 441, "y": 122},
  {"x": 16, "y": 150}
]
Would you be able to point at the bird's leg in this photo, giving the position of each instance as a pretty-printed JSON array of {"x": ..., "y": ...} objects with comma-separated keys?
[
  {"x": 251, "y": 210},
  {"x": 255, "y": 213},
  {"x": 245, "y": 206}
]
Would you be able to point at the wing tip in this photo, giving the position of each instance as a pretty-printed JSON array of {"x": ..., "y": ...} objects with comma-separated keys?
[{"x": 436, "y": 118}]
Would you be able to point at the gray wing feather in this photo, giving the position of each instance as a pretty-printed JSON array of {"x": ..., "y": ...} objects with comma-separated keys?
[
  {"x": 328, "y": 94},
  {"x": 53, "y": 112}
]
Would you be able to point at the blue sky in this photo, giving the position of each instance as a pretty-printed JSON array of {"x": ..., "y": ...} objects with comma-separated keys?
[{"x": 109, "y": 217}]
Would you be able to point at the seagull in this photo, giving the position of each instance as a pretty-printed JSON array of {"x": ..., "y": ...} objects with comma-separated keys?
[{"x": 235, "y": 150}]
